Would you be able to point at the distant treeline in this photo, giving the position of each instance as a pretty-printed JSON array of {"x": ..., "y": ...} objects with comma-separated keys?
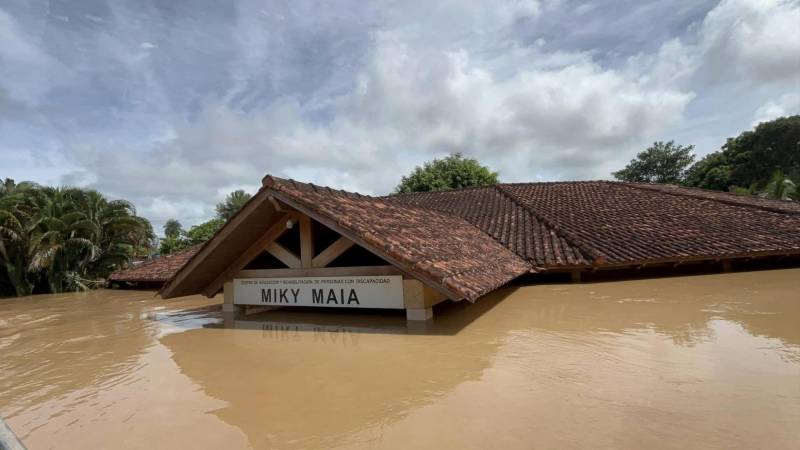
[
  {"x": 764, "y": 161},
  {"x": 65, "y": 239},
  {"x": 177, "y": 239}
]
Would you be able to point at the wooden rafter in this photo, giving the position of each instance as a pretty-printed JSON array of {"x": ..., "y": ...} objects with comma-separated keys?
[
  {"x": 274, "y": 232},
  {"x": 254, "y": 203},
  {"x": 306, "y": 242},
  {"x": 284, "y": 255},
  {"x": 332, "y": 252},
  {"x": 404, "y": 268}
]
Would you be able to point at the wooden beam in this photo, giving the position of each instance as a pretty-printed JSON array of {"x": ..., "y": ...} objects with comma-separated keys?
[
  {"x": 353, "y": 237},
  {"x": 319, "y": 272},
  {"x": 284, "y": 255},
  {"x": 306, "y": 242},
  {"x": 205, "y": 250},
  {"x": 275, "y": 203},
  {"x": 332, "y": 252},
  {"x": 274, "y": 232}
]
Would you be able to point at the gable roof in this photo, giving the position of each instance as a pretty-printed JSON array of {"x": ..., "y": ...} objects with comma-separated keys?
[
  {"x": 442, "y": 250},
  {"x": 157, "y": 270},
  {"x": 467, "y": 242}
]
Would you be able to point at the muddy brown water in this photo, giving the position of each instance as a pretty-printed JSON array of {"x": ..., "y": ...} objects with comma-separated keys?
[{"x": 707, "y": 361}]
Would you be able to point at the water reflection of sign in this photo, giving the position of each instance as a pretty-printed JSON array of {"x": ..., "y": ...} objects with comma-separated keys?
[{"x": 348, "y": 292}]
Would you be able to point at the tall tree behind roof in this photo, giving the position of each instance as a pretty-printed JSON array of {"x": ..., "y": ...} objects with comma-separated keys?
[
  {"x": 452, "y": 172},
  {"x": 750, "y": 160},
  {"x": 172, "y": 229},
  {"x": 232, "y": 203},
  {"x": 662, "y": 162}
]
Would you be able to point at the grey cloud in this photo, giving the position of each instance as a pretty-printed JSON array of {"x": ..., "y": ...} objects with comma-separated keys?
[{"x": 171, "y": 104}]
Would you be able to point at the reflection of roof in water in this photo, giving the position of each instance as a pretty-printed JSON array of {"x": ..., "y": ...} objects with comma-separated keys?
[{"x": 468, "y": 242}]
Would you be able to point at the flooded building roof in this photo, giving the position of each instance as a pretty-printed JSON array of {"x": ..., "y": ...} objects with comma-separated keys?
[
  {"x": 603, "y": 223},
  {"x": 157, "y": 270},
  {"x": 468, "y": 242}
]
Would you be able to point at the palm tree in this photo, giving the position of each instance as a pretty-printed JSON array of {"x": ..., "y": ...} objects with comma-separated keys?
[
  {"x": 172, "y": 229},
  {"x": 232, "y": 203},
  {"x": 62, "y": 244},
  {"x": 15, "y": 214},
  {"x": 779, "y": 187},
  {"x": 65, "y": 238}
]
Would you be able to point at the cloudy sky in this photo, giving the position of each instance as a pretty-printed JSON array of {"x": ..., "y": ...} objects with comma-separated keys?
[{"x": 172, "y": 104}]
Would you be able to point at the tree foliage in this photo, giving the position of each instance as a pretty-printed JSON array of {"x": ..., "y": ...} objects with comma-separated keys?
[
  {"x": 195, "y": 235},
  {"x": 232, "y": 203},
  {"x": 749, "y": 161},
  {"x": 64, "y": 239},
  {"x": 177, "y": 239},
  {"x": 172, "y": 229},
  {"x": 452, "y": 172},
  {"x": 662, "y": 162},
  {"x": 780, "y": 187}
]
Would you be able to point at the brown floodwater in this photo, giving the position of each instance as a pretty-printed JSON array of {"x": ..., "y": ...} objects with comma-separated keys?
[{"x": 707, "y": 361}]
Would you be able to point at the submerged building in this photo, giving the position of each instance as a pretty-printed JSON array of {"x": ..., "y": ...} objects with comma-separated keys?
[
  {"x": 297, "y": 244},
  {"x": 152, "y": 273}
]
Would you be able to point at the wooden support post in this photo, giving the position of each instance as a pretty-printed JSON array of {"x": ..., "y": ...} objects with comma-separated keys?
[
  {"x": 227, "y": 303},
  {"x": 575, "y": 276},
  {"x": 419, "y": 300},
  {"x": 726, "y": 265},
  {"x": 306, "y": 242}
]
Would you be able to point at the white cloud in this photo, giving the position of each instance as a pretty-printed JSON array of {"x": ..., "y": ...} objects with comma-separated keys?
[
  {"x": 785, "y": 105},
  {"x": 409, "y": 104},
  {"x": 756, "y": 39},
  {"x": 354, "y": 97}
]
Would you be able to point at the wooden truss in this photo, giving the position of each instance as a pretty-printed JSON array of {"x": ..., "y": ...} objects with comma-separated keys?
[{"x": 269, "y": 242}]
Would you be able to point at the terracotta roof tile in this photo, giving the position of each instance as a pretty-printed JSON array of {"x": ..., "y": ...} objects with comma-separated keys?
[
  {"x": 500, "y": 216},
  {"x": 157, "y": 270},
  {"x": 440, "y": 247},
  {"x": 630, "y": 224},
  {"x": 471, "y": 241}
]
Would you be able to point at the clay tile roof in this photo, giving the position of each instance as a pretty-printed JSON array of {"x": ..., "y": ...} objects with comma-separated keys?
[
  {"x": 627, "y": 223},
  {"x": 442, "y": 248},
  {"x": 468, "y": 242},
  {"x": 157, "y": 270},
  {"x": 500, "y": 216}
]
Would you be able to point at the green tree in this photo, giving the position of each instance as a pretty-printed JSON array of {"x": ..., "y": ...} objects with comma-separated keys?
[
  {"x": 779, "y": 187},
  {"x": 232, "y": 204},
  {"x": 711, "y": 172},
  {"x": 172, "y": 229},
  {"x": 195, "y": 235},
  {"x": 16, "y": 209},
  {"x": 749, "y": 161},
  {"x": 452, "y": 172},
  {"x": 663, "y": 162},
  {"x": 61, "y": 239}
]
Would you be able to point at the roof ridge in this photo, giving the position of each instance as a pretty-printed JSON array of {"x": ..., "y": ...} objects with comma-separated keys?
[
  {"x": 528, "y": 183},
  {"x": 441, "y": 191},
  {"x": 597, "y": 257},
  {"x": 683, "y": 191}
]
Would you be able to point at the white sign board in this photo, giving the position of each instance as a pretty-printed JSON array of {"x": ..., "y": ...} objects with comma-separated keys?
[{"x": 331, "y": 292}]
